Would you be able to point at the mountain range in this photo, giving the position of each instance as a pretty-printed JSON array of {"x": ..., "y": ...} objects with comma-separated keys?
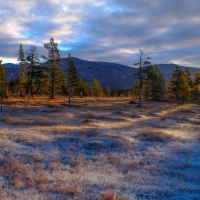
[{"x": 108, "y": 74}]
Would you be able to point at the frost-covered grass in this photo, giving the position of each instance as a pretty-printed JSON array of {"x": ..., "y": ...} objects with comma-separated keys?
[{"x": 101, "y": 149}]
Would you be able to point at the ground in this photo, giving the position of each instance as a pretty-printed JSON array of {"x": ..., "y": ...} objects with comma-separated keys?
[{"x": 99, "y": 148}]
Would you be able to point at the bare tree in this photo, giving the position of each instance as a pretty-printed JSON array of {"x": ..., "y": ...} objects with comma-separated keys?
[{"x": 143, "y": 62}]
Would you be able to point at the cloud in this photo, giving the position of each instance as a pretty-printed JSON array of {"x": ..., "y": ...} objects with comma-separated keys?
[{"x": 112, "y": 31}]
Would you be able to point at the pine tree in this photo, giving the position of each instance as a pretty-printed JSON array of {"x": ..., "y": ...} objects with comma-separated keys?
[
  {"x": 21, "y": 79},
  {"x": 174, "y": 82},
  {"x": 184, "y": 88},
  {"x": 60, "y": 79},
  {"x": 41, "y": 80},
  {"x": 72, "y": 77},
  {"x": 154, "y": 83},
  {"x": 196, "y": 86},
  {"x": 2, "y": 82},
  {"x": 188, "y": 77},
  {"x": 13, "y": 86},
  {"x": 115, "y": 93},
  {"x": 197, "y": 79},
  {"x": 107, "y": 91},
  {"x": 32, "y": 69},
  {"x": 82, "y": 88},
  {"x": 136, "y": 88},
  {"x": 88, "y": 89},
  {"x": 53, "y": 61},
  {"x": 97, "y": 90}
]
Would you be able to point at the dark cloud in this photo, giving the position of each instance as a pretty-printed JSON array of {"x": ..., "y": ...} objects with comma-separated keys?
[{"x": 113, "y": 31}]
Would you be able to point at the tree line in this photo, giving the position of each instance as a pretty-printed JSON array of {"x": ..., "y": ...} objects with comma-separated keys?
[
  {"x": 47, "y": 78},
  {"x": 151, "y": 82}
]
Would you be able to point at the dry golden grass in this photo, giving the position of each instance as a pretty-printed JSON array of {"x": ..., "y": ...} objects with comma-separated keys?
[
  {"x": 110, "y": 195},
  {"x": 11, "y": 120},
  {"x": 16, "y": 166},
  {"x": 27, "y": 173},
  {"x": 30, "y": 183},
  {"x": 52, "y": 151},
  {"x": 18, "y": 182},
  {"x": 66, "y": 189},
  {"x": 41, "y": 177},
  {"x": 40, "y": 120}
]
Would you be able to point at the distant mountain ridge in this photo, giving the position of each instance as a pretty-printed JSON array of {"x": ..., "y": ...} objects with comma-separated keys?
[{"x": 108, "y": 74}]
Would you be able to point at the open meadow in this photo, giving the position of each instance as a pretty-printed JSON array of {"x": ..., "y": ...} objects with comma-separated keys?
[{"x": 99, "y": 149}]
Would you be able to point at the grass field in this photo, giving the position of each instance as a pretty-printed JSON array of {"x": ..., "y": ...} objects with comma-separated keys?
[{"x": 99, "y": 148}]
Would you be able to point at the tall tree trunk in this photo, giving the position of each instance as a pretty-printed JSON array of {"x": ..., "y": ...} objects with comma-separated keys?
[
  {"x": 52, "y": 82},
  {"x": 140, "y": 90},
  {"x": 140, "y": 99},
  {"x": 140, "y": 95},
  {"x": 21, "y": 92}
]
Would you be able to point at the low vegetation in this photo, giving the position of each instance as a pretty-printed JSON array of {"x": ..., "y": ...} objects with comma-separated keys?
[{"x": 104, "y": 149}]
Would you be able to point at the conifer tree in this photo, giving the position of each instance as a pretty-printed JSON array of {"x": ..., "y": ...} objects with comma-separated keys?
[
  {"x": 13, "y": 86},
  {"x": 154, "y": 83},
  {"x": 174, "y": 82},
  {"x": 53, "y": 61},
  {"x": 97, "y": 90},
  {"x": 2, "y": 82},
  {"x": 188, "y": 76},
  {"x": 32, "y": 69},
  {"x": 197, "y": 79},
  {"x": 21, "y": 79},
  {"x": 184, "y": 88},
  {"x": 115, "y": 93},
  {"x": 196, "y": 86},
  {"x": 41, "y": 80},
  {"x": 60, "y": 79},
  {"x": 107, "y": 91},
  {"x": 88, "y": 89},
  {"x": 72, "y": 77},
  {"x": 82, "y": 88},
  {"x": 136, "y": 88}
]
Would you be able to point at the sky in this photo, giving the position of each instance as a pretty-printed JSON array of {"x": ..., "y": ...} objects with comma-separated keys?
[{"x": 168, "y": 31}]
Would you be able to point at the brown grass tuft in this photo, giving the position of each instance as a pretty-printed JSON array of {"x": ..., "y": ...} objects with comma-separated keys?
[
  {"x": 31, "y": 183},
  {"x": 27, "y": 173},
  {"x": 65, "y": 189},
  {"x": 17, "y": 167},
  {"x": 41, "y": 177},
  {"x": 10, "y": 120},
  {"x": 40, "y": 120},
  {"x": 1, "y": 169},
  {"x": 110, "y": 195},
  {"x": 18, "y": 182}
]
